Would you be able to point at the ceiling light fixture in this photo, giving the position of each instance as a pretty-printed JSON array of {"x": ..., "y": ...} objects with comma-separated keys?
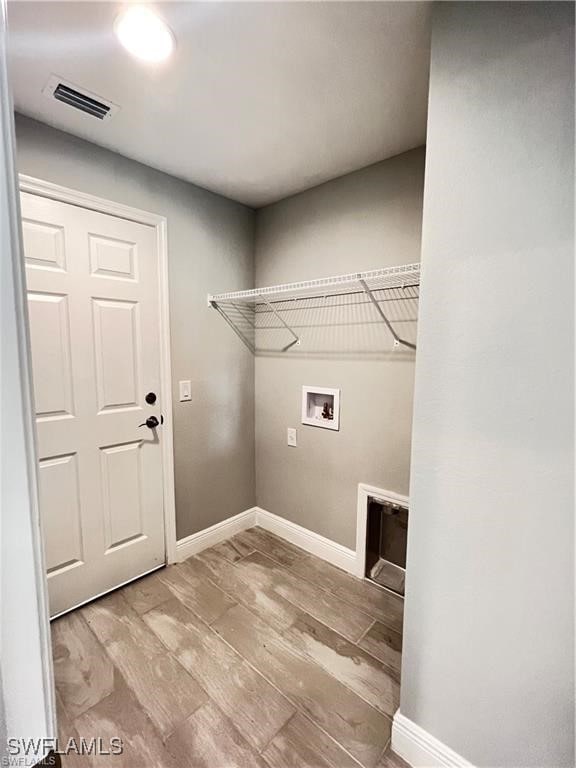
[{"x": 144, "y": 34}]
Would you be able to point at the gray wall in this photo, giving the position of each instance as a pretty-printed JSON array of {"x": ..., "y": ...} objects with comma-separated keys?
[
  {"x": 365, "y": 220},
  {"x": 488, "y": 639},
  {"x": 210, "y": 241}
]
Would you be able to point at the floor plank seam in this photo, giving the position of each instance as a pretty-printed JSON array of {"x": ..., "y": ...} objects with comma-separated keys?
[
  {"x": 386, "y": 748},
  {"x": 271, "y": 739},
  {"x": 171, "y": 733},
  {"x": 343, "y": 748},
  {"x": 363, "y": 635}
]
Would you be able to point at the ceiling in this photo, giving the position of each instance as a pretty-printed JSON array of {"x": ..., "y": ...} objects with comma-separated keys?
[{"x": 259, "y": 100}]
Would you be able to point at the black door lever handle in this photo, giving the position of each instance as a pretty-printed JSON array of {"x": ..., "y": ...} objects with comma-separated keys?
[{"x": 151, "y": 422}]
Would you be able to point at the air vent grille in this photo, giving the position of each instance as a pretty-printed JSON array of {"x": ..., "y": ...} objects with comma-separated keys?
[
  {"x": 79, "y": 98},
  {"x": 81, "y": 101}
]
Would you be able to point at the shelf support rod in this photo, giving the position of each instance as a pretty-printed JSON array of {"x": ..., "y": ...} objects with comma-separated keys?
[
  {"x": 238, "y": 332},
  {"x": 279, "y": 317},
  {"x": 397, "y": 339}
]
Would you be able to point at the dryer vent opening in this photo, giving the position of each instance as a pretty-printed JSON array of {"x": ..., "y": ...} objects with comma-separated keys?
[{"x": 386, "y": 536}]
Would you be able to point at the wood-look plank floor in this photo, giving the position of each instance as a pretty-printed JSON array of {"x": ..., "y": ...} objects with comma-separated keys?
[{"x": 253, "y": 654}]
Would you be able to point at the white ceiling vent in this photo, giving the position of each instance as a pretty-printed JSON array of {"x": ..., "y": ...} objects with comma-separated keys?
[{"x": 79, "y": 98}]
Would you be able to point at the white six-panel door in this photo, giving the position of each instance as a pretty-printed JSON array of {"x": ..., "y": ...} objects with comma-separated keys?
[{"x": 92, "y": 283}]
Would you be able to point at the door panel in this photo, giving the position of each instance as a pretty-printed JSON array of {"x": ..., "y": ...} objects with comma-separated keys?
[
  {"x": 43, "y": 245},
  {"x": 94, "y": 320},
  {"x": 116, "y": 336},
  {"x": 121, "y": 491},
  {"x": 51, "y": 355},
  {"x": 112, "y": 258},
  {"x": 60, "y": 505}
]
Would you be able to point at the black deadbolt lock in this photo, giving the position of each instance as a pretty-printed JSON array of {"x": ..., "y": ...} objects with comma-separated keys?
[{"x": 150, "y": 398}]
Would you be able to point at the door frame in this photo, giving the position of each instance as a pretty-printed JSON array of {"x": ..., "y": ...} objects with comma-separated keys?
[{"x": 62, "y": 194}]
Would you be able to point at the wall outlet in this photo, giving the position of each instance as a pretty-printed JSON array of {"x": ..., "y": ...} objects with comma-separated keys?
[
  {"x": 291, "y": 437},
  {"x": 185, "y": 391}
]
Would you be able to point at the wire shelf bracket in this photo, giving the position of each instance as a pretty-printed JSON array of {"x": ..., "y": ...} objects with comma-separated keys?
[
  {"x": 397, "y": 339},
  {"x": 296, "y": 340}
]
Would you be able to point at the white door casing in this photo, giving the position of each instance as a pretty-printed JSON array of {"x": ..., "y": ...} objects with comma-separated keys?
[
  {"x": 27, "y": 701},
  {"x": 93, "y": 297}
]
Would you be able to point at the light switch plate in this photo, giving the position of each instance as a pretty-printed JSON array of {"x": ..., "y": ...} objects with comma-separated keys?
[
  {"x": 185, "y": 391},
  {"x": 291, "y": 437}
]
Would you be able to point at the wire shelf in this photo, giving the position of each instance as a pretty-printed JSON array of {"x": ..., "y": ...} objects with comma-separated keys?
[
  {"x": 378, "y": 297},
  {"x": 376, "y": 279}
]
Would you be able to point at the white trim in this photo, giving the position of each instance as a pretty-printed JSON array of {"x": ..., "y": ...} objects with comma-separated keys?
[
  {"x": 311, "y": 542},
  {"x": 196, "y": 542},
  {"x": 420, "y": 749},
  {"x": 166, "y": 388},
  {"x": 318, "y": 545},
  {"x": 85, "y": 200},
  {"x": 91, "y": 202},
  {"x": 25, "y": 666},
  {"x": 364, "y": 492}
]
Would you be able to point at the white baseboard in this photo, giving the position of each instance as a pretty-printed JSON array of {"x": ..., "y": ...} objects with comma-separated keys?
[
  {"x": 308, "y": 540},
  {"x": 420, "y": 749},
  {"x": 312, "y": 542},
  {"x": 195, "y": 543}
]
